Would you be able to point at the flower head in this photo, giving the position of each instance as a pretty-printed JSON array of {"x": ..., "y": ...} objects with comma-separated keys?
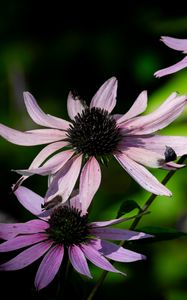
[
  {"x": 176, "y": 44},
  {"x": 66, "y": 231},
  {"x": 93, "y": 135}
]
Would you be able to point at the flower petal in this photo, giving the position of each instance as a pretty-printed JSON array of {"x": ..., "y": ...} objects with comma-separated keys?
[
  {"x": 108, "y": 223},
  {"x": 98, "y": 259},
  {"x": 160, "y": 118},
  {"x": 75, "y": 202},
  {"x": 172, "y": 166},
  {"x": 157, "y": 143},
  {"x": 78, "y": 260},
  {"x": 118, "y": 234},
  {"x": 65, "y": 179},
  {"x": 176, "y": 44},
  {"x": 26, "y": 257},
  {"x": 39, "y": 117},
  {"x": 49, "y": 267},
  {"x": 90, "y": 180},
  {"x": 22, "y": 241},
  {"x": 51, "y": 166},
  {"x": 137, "y": 108},
  {"x": 74, "y": 106},
  {"x": 142, "y": 176},
  {"x": 30, "y": 200},
  {"x": 105, "y": 98},
  {"x": 172, "y": 69},
  {"x": 115, "y": 252},
  {"x": 32, "y": 137}
]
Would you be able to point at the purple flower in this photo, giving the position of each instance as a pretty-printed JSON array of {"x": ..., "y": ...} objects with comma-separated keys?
[
  {"x": 177, "y": 44},
  {"x": 68, "y": 231},
  {"x": 93, "y": 135}
]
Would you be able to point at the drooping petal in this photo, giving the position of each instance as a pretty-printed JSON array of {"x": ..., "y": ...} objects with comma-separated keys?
[
  {"x": 172, "y": 69},
  {"x": 30, "y": 200},
  {"x": 160, "y": 118},
  {"x": 105, "y": 98},
  {"x": 9, "y": 231},
  {"x": 157, "y": 143},
  {"x": 137, "y": 108},
  {"x": 98, "y": 259},
  {"x": 26, "y": 257},
  {"x": 51, "y": 166},
  {"x": 174, "y": 43},
  {"x": 142, "y": 176},
  {"x": 118, "y": 234},
  {"x": 39, "y": 117},
  {"x": 115, "y": 252},
  {"x": 78, "y": 260},
  {"x": 49, "y": 267},
  {"x": 90, "y": 180},
  {"x": 74, "y": 106},
  {"x": 145, "y": 157},
  {"x": 65, "y": 179},
  {"x": 32, "y": 137},
  {"x": 22, "y": 241}
]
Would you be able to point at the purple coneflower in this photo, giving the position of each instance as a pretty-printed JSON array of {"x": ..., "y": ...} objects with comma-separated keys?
[
  {"x": 65, "y": 232},
  {"x": 176, "y": 44},
  {"x": 93, "y": 135}
]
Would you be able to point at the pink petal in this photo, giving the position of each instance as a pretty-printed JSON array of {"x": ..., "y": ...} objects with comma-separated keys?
[
  {"x": 39, "y": 117},
  {"x": 105, "y": 98},
  {"x": 75, "y": 202},
  {"x": 137, "y": 108},
  {"x": 30, "y": 200},
  {"x": 64, "y": 181},
  {"x": 49, "y": 267},
  {"x": 172, "y": 166},
  {"x": 32, "y": 137},
  {"x": 176, "y": 44},
  {"x": 145, "y": 157},
  {"x": 160, "y": 118},
  {"x": 115, "y": 252},
  {"x": 78, "y": 260},
  {"x": 22, "y": 241},
  {"x": 174, "y": 68},
  {"x": 9, "y": 231},
  {"x": 74, "y": 106},
  {"x": 26, "y": 257},
  {"x": 142, "y": 176},
  {"x": 51, "y": 166},
  {"x": 90, "y": 180},
  {"x": 98, "y": 259},
  {"x": 118, "y": 234},
  {"x": 158, "y": 143},
  {"x": 108, "y": 223}
]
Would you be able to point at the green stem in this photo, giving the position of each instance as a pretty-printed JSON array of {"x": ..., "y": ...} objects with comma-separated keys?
[{"x": 134, "y": 225}]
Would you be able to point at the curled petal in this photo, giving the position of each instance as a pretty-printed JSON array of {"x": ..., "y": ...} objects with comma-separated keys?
[{"x": 74, "y": 106}]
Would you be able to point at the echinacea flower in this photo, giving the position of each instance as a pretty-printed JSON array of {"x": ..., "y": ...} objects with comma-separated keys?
[
  {"x": 65, "y": 232},
  {"x": 93, "y": 135},
  {"x": 176, "y": 44}
]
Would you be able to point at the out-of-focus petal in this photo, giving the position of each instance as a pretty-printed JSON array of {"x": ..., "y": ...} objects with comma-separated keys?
[
  {"x": 26, "y": 257},
  {"x": 74, "y": 106},
  {"x": 118, "y": 234},
  {"x": 142, "y": 176},
  {"x": 22, "y": 241},
  {"x": 115, "y": 252},
  {"x": 105, "y": 98},
  {"x": 32, "y": 137},
  {"x": 90, "y": 180},
  {"x": 78, "y": 260},
  {"x": 39, "y": 117},
  {"x": 98, "y": 259},
  {"x": 172, "y": 69},
  {"x": 137, "y": 108},
  {"x": 49, "y": 267}
]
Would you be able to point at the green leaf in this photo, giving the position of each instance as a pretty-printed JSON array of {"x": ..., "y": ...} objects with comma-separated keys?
[
  {"x": 126, "y": 207},
  {"x": 163, "y": 233}
]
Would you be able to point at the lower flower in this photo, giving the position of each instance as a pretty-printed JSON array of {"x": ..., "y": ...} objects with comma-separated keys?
[{"x": 65, "y": 229}]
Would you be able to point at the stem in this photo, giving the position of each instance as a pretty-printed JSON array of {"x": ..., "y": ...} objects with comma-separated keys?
[{"x": 135, "y": 223}]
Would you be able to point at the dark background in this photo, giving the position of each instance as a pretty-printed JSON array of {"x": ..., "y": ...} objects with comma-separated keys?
[{"x": 53, "y": 47}]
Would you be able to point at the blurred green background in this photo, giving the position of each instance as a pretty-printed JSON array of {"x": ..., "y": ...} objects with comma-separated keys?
[{"x": 51, "y": 48}]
